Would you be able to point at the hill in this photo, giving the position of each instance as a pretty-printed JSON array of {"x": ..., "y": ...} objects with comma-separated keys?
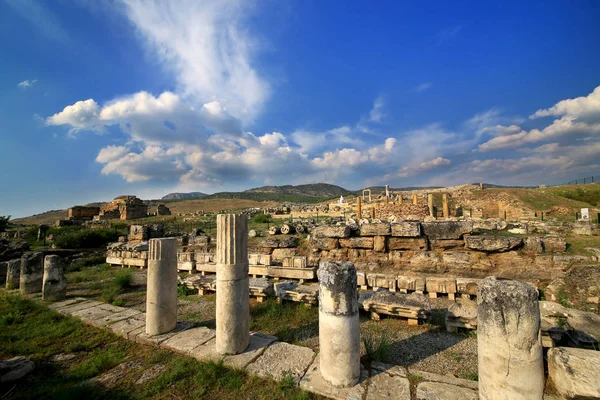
[
  {"x": 180, "y": 196},
  {"x": 323, "y": 190}
]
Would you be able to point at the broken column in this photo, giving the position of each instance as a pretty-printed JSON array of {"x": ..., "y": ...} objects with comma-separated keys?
[
  {"x": 233, "y": 310},
  {"x": 161, "y": 296},
  {"x": 415, "y": 199},
  {"x": 13, "y": 273},
  {"x": 445, "y": 208},
  {"x": 32, "y": 271},
  {"x": 430, "y": 204},
  {"x": 373, "y": 212},
  {"x": 54, "y": 285},
  {"x": 387, "y": 190},
  {"x": 339, "y": 330},
  {"x": 358, "y": 208},
  {"x": 508, "y": 340}
]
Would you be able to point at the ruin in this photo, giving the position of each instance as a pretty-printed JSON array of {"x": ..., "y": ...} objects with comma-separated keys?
[
  {"x": 54, "y": 286},
  {"x": 124, "y": 208},
  {"x": 161, "y": 297}
]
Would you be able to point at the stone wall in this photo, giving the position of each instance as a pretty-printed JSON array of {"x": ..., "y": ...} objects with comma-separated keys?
[{"x": 82, "y": 212}]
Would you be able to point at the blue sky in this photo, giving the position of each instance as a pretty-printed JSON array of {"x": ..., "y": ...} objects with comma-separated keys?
[{"x": 99, "y": 99}]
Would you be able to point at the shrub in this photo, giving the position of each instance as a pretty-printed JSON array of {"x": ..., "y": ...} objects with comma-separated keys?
[
  {"x": 262, "y": 218},
  {"x": 377, "y": 345},
  {"x": 86, "y": 239},
  {"x": 79, "y": 264},
  {"x": 123, "y": 279},
  {"x": 4, "y": 222}
]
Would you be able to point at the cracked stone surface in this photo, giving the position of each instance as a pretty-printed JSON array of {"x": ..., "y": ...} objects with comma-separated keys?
[
  {"x": 280, "y": 359},
  {"x": 313, "y": 382},
  {"x": 124, "y": 327},
  {"x": 143, "y": 337},
  {"x": 444, "y": 391},
  {"x": 184, "y": 342}
]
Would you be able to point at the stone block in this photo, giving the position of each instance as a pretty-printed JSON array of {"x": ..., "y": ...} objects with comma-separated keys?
[
  {"x": 377, "y": 229},
  {"x": 185, "y": 341},
  {"x": 441, "y": 285},
  {"x": 411, "y": 283},
  {"x": 342, "y": 231},
  {"x": 444, "y": 391},
  {"x": 492, "y": 243},
  {"x": 280, "y": 359},
  {"x": 400, "y": 243},
  {"x": 447, "y": 229},
  {"x": 406, "y": 229},
  {"x": 280, "y": 254},
  {"x": 533, "y": 244},
  {"x": 380, "y": 244},
  {"x": 446, "y": 244},
  {"x": 467, "y": 286},
  {"x": 382, "y": 281},
  {"x": 357, "y": 243},
  {"x": 575, "y": 373},
  {"x": 554, "y": 244},
  {"x": 314, "y": 382}
]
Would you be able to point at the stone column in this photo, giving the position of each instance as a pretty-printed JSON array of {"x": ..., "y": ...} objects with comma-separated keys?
[
  {"x": 399, "y": 199},
  {"x": 358, "y": 208},
  {"x": 161, "y": 294},
  {"x": 445, "y": 205},
  {"x": 415, "y": 199},
  {"x": 373, "y": 212},
  {"x": 508, "y": 341},
  {"x": 32, "y": 272},
  {"x": 430, "y": 204},
  {"x": 339, "y": 329},
  {"x": 233, "y": 291},
  {"x": 13, "y": 273},
  {"x": 387, "y": 190},
  {"x": 54, "y": 285}
]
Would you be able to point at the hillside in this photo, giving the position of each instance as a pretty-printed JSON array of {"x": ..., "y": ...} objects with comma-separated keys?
[
  {"x": 179, "y": 196},
  {"x": 48, "y": 218},
  {"x": 323, "y": 190}
]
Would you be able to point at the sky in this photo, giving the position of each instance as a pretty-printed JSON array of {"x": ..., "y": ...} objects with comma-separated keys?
[{"x": 100, "y": 99}]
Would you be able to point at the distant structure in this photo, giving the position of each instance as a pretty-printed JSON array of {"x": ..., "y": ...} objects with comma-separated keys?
[
  {"x": 161, "y": 209},
  {"x": 124, "y": 208},
  {"x": 82, "y": 213}
]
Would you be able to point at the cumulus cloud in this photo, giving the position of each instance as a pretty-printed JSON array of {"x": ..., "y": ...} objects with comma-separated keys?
[
  {"x": 79, "y": 116},
  {"x": 424, "y": 166},
  {"x": 27, "y": 83},
  {"x": 586, "y": 108},
  {"x": 208, "y": 47}
]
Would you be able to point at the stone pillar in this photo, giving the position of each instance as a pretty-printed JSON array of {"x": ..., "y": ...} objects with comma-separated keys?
[
  {"x": 233, "y": 291},
  {"x": 387, "y": 190},
  {"x": 13, "y": 273},
  {"x": 415, "y": 199},
  {"x": 508, "y": 341},
  {"x": 339, "y": 329},
  {"x": 430, "y": 204},
  {"x": 358, "y": 208},
  {"x": 32, "y": 272},
  {"x": 445, "y": 207},
  {"x": 54, "y": 285},
  {"x": 161, "y": 295},
  {"x": 373, "y": 212},
  {"x": 399, "y": 199}
]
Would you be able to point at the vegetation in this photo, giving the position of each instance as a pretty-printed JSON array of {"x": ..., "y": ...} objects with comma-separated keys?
[
  {"x": 290, "y": 322},
  {"x": 264, "y": 196},
  {"x": 31, "y": 330},
  {"x": 586, "y": 193},
  {"x": 86, "y": 238},
  {"x": 4, "y": 222},
  {"x": 261, "y": 219},
  {"x": 377, "y": 344}
]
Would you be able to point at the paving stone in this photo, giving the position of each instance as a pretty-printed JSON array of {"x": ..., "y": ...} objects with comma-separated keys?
[
  {"x": 124, "y": 327},
  {"x": 115, "y": 317},
  {"x": 258, "y": 343},
  {"x": 444, "y": 391},
  {"x": 206, "y": 352},
  {"x": 91, "y": 314},
  {"x": 185, "y": 341},
  {"x": 428, "y": 376},
  {"x": 389, "y": 385},
  {"x": 79, "y": 306},
  {"x": 64, "y": 303},
  {"x": 143, "y": 337},
  {"x": 313, "y": 382},
  {"x": 282, "y": 358}
]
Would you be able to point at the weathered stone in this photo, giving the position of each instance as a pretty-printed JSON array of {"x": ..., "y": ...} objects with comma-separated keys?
[
  {"x": 415, "y": 244},
  {"x": 509, "y": 351},
  {"x": 388, "y": 382},
  {"x": 446, "y": 244},
  {"x": 233, "y": 312},
  {"x": 161, "y": 296},
  {"x": 32, "y": 272},
  {"x": 583, "y": 228},
  {"x": 15, "y": 368},
  {"x": 380, "y": 229},
  {"x": 412, "y": 283},
  {"x": 339, "y": 329},
  {"x": 185, "y": 341},
  {"x": 575, "y": 373},
  {"x": 443, "y": 391},
  {"x": 13, "y": 274},
  {"x": 461, "y": 314},
  {"x": 324, "y": 243},
  {"x": 413, "y": 306},
  {"x": 314, "y": 382},
  {"x": 447, "y": 379},
  {"x": 447, "y": 229},
  {"x": 341, "y": 231},
  {"x": 467, "y": 285},
  {"x": 406, "y": 229},
  {"x": 281, "y": 359},
  {"x": 279, "y": 255},
  {"x": 533, "y": 244},
  {"x": 380, "y": 244},
  {"x": 492, "y": 243},
  {"x": 385, "y": 281},
  {"x": 54, "y": 286},
  {"x": 582, "y": 327},
  {"x": 357, "y": 243},
  {"x": 554, "y": 244},
  {"x": 441, "y": 285}
]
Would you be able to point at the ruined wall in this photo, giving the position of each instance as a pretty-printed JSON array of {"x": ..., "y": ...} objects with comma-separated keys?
[{"x": 82, "y": 212}]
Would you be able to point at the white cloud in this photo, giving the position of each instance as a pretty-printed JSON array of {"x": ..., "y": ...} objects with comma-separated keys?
[
  {"x": 585, "y": 108},
  {"x": 81, "y": 115},
  {"x": 376, "y": 114},
  {"x": 111, "y": 153},
  {"x": 208, "y": 47},
  {"x": 423, "y": 167},
  {"x": 423, "y": 87},
  {"x": 27, "y": 83}
]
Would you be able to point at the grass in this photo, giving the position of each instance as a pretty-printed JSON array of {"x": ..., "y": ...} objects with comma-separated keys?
[
  {"x": 377, "y": 344},
  {"x": 29, "y": 329},
  {"x": 291, "y": 322},
  {"x": 577, "y": 244}
]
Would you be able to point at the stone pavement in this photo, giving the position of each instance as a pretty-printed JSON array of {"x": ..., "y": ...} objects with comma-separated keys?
[{"x": 268, "y": 358}]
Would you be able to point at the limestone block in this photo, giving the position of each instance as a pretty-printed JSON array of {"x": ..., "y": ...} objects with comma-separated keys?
[
  {"x": 282, "y": 242},
  {"x": 444, "y": 391},
  {"x": 533, "y": 244},
  {"x": 400, "y": 243},
  {"x": 425, "y": 261},
  {"x": 575, "y": 373},
  {"x": 54, "y": 284},
  {"x": 447, "y": 229},
  {"x": 32, "y": 271},
  {"x": 280, "y": 254},
  {"x": 441, "y": 285},
  {"x": 388, "y": 382},
  {"x": 461, "y": 314},
  {"x": 446, "y": 244},
  {"x": 467, "y": 285},
  {"x": 382, "y": 281},
  {"x": 492, "y": 243},
  {"x": 406, "y": 229},
  {"x": 361, "y": 279},
  {"x": 342, "y": 231},
  {"x": 314, "y": 382},
  {"x": 411, "y": 283},
  {"x": 582, "y": 327},
  {"x": 554, "y": 244},
  {"x": 13, "y": 273},
  {"x": 357, "y": 243},
  {"x": 280, "y": 359},
  {"x": 413, "y": 306},
  {"x": 379, "y": 229},
  {"x": 380, "y": 244},
  {"x": 583, "y": 228},
  {"x": 324, "y": 243}
]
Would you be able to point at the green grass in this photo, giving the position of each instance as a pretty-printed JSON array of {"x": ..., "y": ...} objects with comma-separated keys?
[
  {"x": 576, "y": 244},
  {"x": 29, "y": 329},
  {"x": 290, "y": 322},
  {"x": 377, "y": 344}
]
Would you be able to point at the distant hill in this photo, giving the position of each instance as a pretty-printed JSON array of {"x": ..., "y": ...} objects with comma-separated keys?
[
  {"x": 179, "y": 196},
  {"x": 323, "y": 190}
]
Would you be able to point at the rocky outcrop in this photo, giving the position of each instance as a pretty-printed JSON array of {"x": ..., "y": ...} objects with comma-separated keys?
[{"x": 493, "y": 243}]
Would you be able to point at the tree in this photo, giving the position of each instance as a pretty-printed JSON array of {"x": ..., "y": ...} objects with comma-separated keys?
[{"x": 4, "y": 222}]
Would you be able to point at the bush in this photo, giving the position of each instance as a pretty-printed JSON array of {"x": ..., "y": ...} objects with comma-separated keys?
[
  {"x": 377, "y": 345},
  {"x": 123, "y": 279},
  {"x": 86, "y": 239},
  {"x": 4, "y": 222},
  {"x": 79, "y": 264},
  {"x": 262, "y": 218}
]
